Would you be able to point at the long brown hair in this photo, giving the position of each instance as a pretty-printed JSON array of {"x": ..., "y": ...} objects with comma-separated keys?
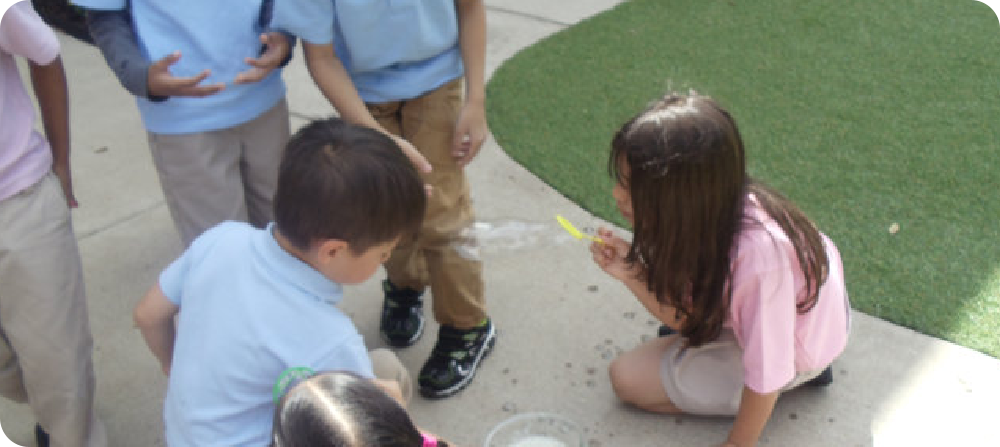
[{"x": 682, "y": 161}]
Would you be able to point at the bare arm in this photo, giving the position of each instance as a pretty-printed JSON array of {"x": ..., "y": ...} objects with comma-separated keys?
[
  {"x": 335, "y": 83},
  {"x": 49, "y": 84},
  {"x": 755, "y": 410},
  {"x": 609, "y": 255},
  {"x": 471, "y": 129},
  {"x": 154, "y": 315}
]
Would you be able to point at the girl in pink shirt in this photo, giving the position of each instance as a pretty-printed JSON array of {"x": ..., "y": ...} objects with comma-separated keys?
[{"x": 753, "y": 291}]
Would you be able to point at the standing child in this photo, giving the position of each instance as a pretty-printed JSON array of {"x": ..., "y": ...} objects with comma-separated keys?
[
  {"x": 205, "y": 78},
  {"x": 397, "y": 66},
  {"x": 45, "y": 341},
  {"x": 251, "y": 303},
  {"x": 341, "y": 409},
  {"x": 754, "y": 290}
]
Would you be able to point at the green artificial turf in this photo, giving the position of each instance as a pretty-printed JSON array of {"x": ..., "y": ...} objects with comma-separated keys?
[{"x": 866, "y": 113}]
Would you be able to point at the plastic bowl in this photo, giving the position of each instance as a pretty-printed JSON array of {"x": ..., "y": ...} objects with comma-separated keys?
[{"x": 535, "y": 430}]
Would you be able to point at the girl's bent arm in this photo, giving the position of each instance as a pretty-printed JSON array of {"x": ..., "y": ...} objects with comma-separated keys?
[
  {"x": 663, "y": 312},
  {"x": 609, "y": 255},
  {"x": 755, "y": 410},
  {"x": 154, "y": 315}
]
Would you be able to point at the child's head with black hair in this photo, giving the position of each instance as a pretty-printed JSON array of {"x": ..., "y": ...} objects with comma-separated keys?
[{"x": 341, "y": 409}]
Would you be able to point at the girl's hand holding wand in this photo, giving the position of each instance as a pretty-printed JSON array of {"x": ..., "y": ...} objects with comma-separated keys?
[{"x": 609, "y": 255}]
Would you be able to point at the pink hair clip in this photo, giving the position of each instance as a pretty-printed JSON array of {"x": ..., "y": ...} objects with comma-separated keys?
[{"x": 429, "y": 441}]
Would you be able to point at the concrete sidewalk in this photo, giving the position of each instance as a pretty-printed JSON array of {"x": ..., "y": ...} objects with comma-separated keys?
[{"x": 560, "y": 319}]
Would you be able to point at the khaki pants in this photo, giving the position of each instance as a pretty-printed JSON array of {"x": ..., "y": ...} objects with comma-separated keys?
[
  {"x": 45, "y": 341},
  {"x": 431, "y": 259},
  {"x": 228, "y": 174}
]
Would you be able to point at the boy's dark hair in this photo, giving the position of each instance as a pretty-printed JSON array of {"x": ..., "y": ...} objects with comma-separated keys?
[
  {"x": 686, "y": 174},
  {"x": 347, "y": 182},
  {"x": 341, "y": 409}
]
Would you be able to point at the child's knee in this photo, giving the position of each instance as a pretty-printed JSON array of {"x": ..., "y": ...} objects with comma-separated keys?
[{"x": 623, "y": 381}]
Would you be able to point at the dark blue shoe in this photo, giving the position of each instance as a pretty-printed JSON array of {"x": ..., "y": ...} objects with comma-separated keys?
[
  {"x": 665, "y": 331},
  {"x": 824, "y": 378},
  {"x": 41, "y": 437},
  {"x": 402, "y": 316}
]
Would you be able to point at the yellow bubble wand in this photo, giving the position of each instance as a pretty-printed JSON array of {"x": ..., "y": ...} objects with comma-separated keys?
[{"x": 576, "y": 233}]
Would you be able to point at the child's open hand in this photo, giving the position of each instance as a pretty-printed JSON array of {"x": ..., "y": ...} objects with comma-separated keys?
[
  {"x": 276, "y": 49},
  {"x": 160, "y": 82},
  {"x": 610, "y": 255}
]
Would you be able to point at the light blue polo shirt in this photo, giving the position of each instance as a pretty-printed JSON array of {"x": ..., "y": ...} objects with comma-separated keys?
[
  {"x": 248, "y": 311},
  {"x": 393, "y": 49},
  {"x": 210, "y": 34}
]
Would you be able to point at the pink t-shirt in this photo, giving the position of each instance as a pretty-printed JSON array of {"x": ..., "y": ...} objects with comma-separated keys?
[
  {"x": 24, "y": 154},
  {"x": 778, "y": 342}
]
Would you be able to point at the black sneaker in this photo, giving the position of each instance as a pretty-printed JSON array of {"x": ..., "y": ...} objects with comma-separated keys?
[
  {"x": 823, "y": 379},
  {"x": 454, "y": 359},
  {"x": 41, "y": 438},
  {"x": 402, "y": 316}
]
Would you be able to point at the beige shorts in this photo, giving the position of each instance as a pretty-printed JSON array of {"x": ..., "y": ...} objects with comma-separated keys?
[{"x": 708, "y": 380}]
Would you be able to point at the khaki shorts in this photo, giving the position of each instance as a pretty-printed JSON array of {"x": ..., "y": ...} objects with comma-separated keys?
[{"x": 708, "y": 380}]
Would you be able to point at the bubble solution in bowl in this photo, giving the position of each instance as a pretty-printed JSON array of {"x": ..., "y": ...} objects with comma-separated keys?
[{"x": 535, "y": 430}]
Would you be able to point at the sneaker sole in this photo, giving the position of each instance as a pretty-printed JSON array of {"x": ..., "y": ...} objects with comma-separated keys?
[{"x": 448, "y": 392}]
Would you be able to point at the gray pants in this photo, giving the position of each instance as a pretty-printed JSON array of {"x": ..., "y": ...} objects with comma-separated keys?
[
  {"x": 45, "y": 341},
  {"x": 227, "y": 174}
]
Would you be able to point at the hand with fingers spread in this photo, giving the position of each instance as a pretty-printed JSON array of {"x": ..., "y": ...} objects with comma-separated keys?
[
  {"x": 610, "y": 254},
  {"x": 276, "y": 49},
  {"x": 470, "y": 133},
  {"x": 162, "y": 83}
]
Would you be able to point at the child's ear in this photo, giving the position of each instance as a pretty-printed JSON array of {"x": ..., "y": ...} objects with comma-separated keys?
[{"x": 329, "y": 249}]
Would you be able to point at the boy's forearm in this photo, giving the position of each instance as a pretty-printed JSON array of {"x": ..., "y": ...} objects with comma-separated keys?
[
  {"x": 755, "y": 410},
  {"x": 49, "y": 84},
  {"x": 114, "y": 35},
  {"x": 160, "y": 340},
  {"x": 334, "y": 82},
  {"x": 472, "y": 43},
  {"x": 154, "y": 316}
]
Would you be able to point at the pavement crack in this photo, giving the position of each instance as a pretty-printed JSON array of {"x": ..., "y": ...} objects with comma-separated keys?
[
  {"x": 131, "y": 216},
  {"x": 526, "y": 15}
]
